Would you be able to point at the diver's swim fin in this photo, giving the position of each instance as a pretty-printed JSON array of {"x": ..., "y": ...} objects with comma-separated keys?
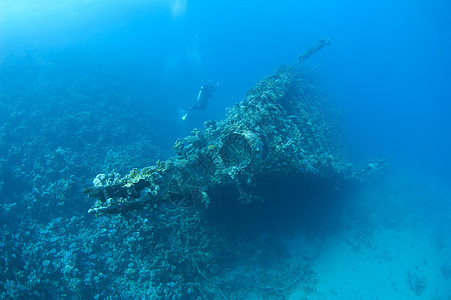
[{"x": 184, "y": 116}]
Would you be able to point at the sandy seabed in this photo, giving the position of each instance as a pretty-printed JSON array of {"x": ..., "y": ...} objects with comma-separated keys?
[{"x": 397, "y": 245}]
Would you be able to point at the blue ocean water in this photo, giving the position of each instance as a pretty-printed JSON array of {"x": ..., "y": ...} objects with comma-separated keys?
[{"x": 88, "y": 87}]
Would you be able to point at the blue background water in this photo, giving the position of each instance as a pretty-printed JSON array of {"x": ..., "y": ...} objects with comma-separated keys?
[
  {"x": 388, "y": 65},
  {"x": 388, "y": 68}
]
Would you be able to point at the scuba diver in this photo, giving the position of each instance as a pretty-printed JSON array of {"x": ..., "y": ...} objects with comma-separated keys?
[{"x": 205, "y": 93}]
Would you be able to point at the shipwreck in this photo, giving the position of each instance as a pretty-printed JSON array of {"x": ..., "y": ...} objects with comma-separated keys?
[{"x": 282, "y": 131}]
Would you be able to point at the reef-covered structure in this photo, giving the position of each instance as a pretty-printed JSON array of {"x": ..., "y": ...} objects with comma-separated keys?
[
  {"x": 242, "y": 187},
  {"x": 283, "y": 130}
]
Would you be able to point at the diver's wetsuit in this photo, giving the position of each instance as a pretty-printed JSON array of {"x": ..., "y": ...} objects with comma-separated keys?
[{"x": 205, "y": 93}]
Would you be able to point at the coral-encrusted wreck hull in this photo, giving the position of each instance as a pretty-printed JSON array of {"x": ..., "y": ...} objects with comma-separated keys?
[{"x": 282, "y": 131}]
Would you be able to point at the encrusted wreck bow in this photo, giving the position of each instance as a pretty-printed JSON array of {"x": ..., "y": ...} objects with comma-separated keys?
[{"x": 283, "y": 130}]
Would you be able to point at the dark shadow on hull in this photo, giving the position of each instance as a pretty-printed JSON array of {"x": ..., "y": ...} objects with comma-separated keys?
[{"x": 309, "y": 204}]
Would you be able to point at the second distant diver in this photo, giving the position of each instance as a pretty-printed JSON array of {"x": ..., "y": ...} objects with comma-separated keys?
[{"x": 205, "y": 93}]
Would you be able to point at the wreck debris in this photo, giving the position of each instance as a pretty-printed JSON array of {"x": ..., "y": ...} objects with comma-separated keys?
[
  {"x": 282, "y": 129},
  {"x": 371, "y": 168},
  {"x": 319, "y": 45}
]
